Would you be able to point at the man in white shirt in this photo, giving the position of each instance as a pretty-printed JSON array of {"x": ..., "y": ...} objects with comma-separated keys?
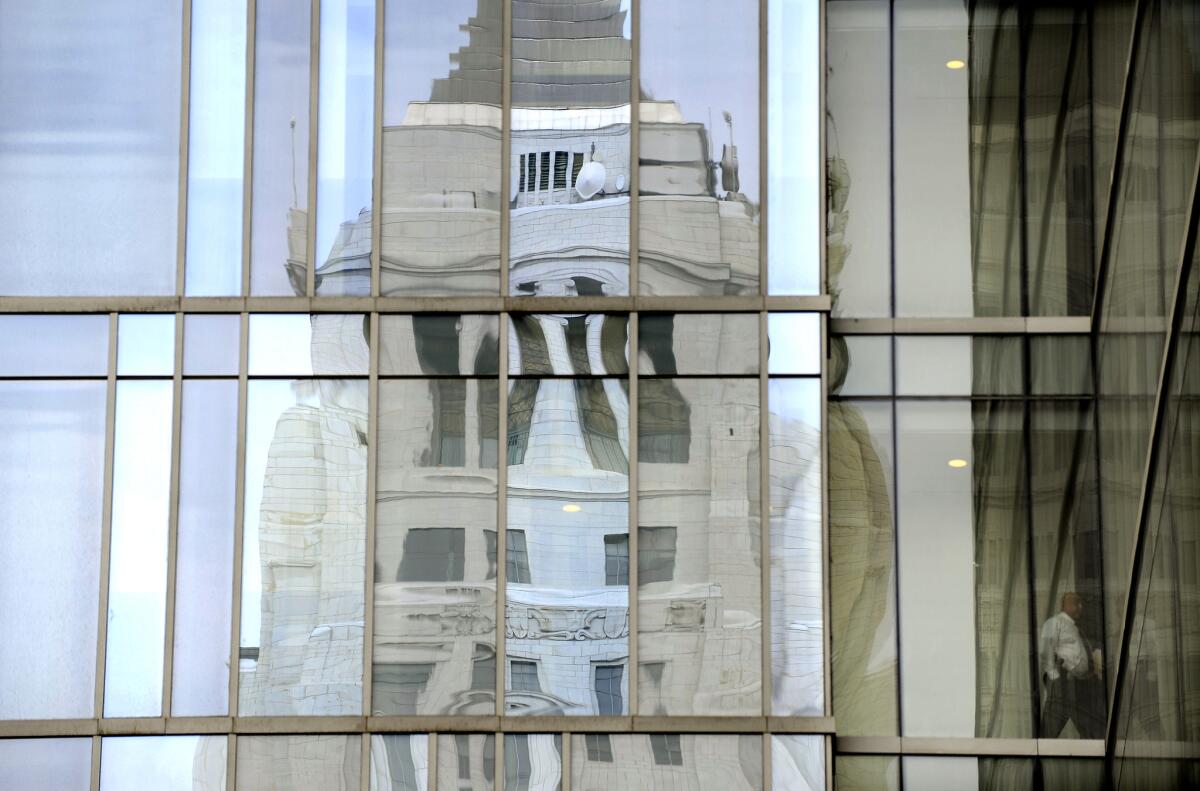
[{"x": 1071, "y": 673}]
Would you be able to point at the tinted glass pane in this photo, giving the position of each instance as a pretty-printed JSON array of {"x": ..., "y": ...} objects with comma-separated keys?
[
  {"x": 797, "y": 562},
  {"x": 210, "y": 344},
  {"x": 862, "y": 575},
  {"x": 858, "y": 158},
  {"x": 794, "y": 184},
  {"x": 568, "y": 488},
  {"x": 345, "y": 147},
  {"x": 569, "y": 161},
  {"x": 698, "y": 233},
  {"x": 204, "y": 553},
  {"x": 441, "y": 147},
  {"x": 54, "y": 433},
  {"x": 435, "y": 513},
  {"x": 697, "y": 343},
  {"x": 710, "y": 495},
  {"x": 466, "y": 762},
  {"x": 798, "y": 762},
  {"x": 867, "y": 772},
  {"x": 303, "y": 550},
  {"x": 145, "y": 345},
  {"x": 279, "y": 221},
  {"x": 54, "y": 346},
  {"x": 46, "y": 763},
  {"x": 399, "y": 762},
  {"x": 217, "y": 128},
  {"x": 94, "y": 213},
  {"x": 137, "y": 574},
  {"x": 170, "y": 763},
  {"x": 439, "y": 345},
  {"x": 860, "y": 365},
  {"x": 299, "y": 763},
  {"x": 563, "y": 345},
  {"x": 683, "y": 761}
]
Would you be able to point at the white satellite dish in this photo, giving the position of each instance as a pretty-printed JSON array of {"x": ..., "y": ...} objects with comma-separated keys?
[{"x": 590, "y": 180}]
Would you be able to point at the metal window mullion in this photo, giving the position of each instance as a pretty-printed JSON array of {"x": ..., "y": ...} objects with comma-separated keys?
[
  {"x": 377, "y": 157},
  {"x": 231, "y": 762},
  {"x": 635, "y": 109},
  {"x": 369, "y": 554},
  {"x": 248, "y": 143},
  {"x": 364, "y": 761},
  {"x": 505, "y": 166},
  {"x": 431, "y": 759},
  {"x": 501, "y": 512},
  {"x": 239, "y": 508},
  {"x": 565, "y": 784},
  {"x": 764, "y": 517},
  {"x": 634, "y": 496},
  {"x": 1150, "y": 473},
  {"x": 185, "y": 89},
  {"x": 764, "y": 43},
  {"x": 498, "y": 761},
  {"x": 110, "y": 419},
  {"x": 95, "y": 767},
  {"x": 173, "y": 520},
  {"x": 826, "y": 565},
  {"x": 314, "y": 123}
]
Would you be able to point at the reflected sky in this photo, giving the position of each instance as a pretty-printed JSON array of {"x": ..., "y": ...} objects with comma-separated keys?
[{"x": 164, "y": 763}]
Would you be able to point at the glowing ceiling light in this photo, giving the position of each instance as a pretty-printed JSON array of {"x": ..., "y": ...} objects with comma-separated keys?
[
  {"x": 955, "y": 64},
  {"x": 957, "y": 464},
  {"x": 572, "y": 508}
]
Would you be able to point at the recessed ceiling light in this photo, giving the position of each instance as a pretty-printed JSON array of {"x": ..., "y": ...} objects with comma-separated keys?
[
  {"x": 572, "y": 508},
  {"x": 955, "y": 64},
  {"x": 957, "y": 464}
]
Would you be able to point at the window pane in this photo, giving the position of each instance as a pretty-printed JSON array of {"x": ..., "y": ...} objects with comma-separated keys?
[
  {"x": 108, "y": 197},
  {"x": 616, "y": 560},
  {"x": 610, "y": 699},
  {"x": 54, "y": 345},
  {"x": 54, "y": 433},
  {"x": 679, "y": 761},
  {"x": 466, "y": 762},
  {"x": 146, "y": 345},
  {"x": 204, "y": 554},
  {"x": 441, "y": 148},
  {"x": 570, "y": 97},
  {"x": 137, "y": 574},
  {"x": 697, "y": 343},
  {"x": 703, "y": 623},
  {"x": 795, "y": 343},
  {"x": 862, "y": 573},
  {"x": 524, "y": 676},
  {"x": 794, "y": 184},
  {"x": 210, "y": 344},
  {"x": 563, "y": 345},
  {"x": 568, "y": 488},
  {"x": 532, "y": 761},
  {"x": 299, "y": 763},
  {"x": 959, "y": 365},
  {"x": 279, "y": 219},
  {"x": 435, "y": 510},
  {"x": 867, "y": 772},
  {"x": 860, "y": 365},
  {"x": 797, "y": 562},
  {"x": 345, "y": 147},
  {"x": 399, "y": 762},
  {"x": 798, "y": 762},
  {"x": 698, "y": 235},
  {"x": 64, "y": 764},
  {"x": 217, "y": 129},
  {"x": 303, "y": 547},
  {"x": 169, "y": 763},
  {"x": 439, "y": 344},
  {"x": 297, "y": 344},
  {"x": 858, "y": 164}
]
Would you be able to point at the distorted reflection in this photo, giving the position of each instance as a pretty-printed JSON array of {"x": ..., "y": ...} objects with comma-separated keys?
[
  {"x": 439, "y": 345},
  {"x": 466, "y": 761},
  {"x": 46, "y": 763},
  {"x": 697, "y": 343},
  {"x": 440, "y": 221},
  {"x": 299, "y": 763},
  {"x": 399, "y": 762},
  {"x": 532, "y": 762},
  {"x": 698, "y": 214},
  {"x": 165, "y": 763},
  {"x": 665, "y": 760},
  {"x": 798, "y": 762},
  {"x": 699, "y": 559},
  {"x": 304, "y": 528},
  {"x": 569, "y": 170},
  {"x": 567, "y": 620}
]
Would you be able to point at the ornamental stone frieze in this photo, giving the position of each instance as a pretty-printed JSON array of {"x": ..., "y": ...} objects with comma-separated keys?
[{"x": 565, "y": 623}]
